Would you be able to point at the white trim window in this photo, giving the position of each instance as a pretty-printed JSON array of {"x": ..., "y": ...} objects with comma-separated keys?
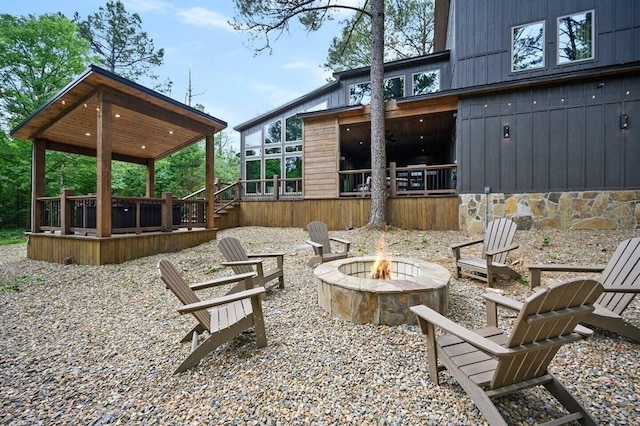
[
  {"x": 576, "y": 37},
  {"x": 527, "y": 46},
  {"x": 360, "y": 93},
  {"x": 425, "y": 82}
]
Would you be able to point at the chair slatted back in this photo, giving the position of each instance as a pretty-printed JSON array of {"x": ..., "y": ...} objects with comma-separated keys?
[
  {"x": 174, "y": 282},
  {"x": 499, "y": 234},
  {"x": 622, "y": 271},
  {"x": 544, "y": 324},
  {"x": 233, "y": 251},
  {"x": 319, "y": 233}
]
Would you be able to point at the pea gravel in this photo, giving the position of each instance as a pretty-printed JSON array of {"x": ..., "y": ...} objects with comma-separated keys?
[{"x": 87, "y": 345}]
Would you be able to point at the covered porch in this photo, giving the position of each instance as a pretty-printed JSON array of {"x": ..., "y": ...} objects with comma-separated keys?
[{"x": 111, "y": 118}]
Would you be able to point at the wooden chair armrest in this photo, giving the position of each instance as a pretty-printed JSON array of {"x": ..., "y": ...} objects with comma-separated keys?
[
  {"x": 265, "y": 255},
  {"x": 501, "y": 250},
  {"x": 536, "y": 268},
  {"x": 222, "y": 281},
  {"x": 243, "y": 262},
  {"x": 492, "y": 301},
  {"x": 314, "y": 244},
  {"x": 340, "y": 240},
  {"x": 482, "y": 343},
  {"x": 503, "y": 301},
  {"x": 467, "y": 243},
  {"x": 212, "y": 303}
]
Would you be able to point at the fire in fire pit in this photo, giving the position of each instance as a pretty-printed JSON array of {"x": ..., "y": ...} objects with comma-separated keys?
[{"x": 381, "y": 268}]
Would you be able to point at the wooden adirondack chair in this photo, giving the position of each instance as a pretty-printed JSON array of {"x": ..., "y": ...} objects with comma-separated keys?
[
  {"x": 497, "y": 243},
  {"x": 241, "y": 262},
  {"x": 489, "y": 364},
  {"x": 320, "y": 240},
  {"x": 621, "y": 281},
  {"x": 222, "y": 317}
]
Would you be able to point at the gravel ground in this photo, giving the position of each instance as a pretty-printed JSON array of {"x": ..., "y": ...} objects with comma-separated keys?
[{"x": 98, "y": 345}]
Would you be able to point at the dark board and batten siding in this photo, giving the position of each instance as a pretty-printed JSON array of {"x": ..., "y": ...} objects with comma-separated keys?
[
  {"x": 555, "y": 145},
  {"x": 482, "y": 51}
]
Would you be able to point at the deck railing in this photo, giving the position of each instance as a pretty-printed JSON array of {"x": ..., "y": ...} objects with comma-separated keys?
[
  {"x": 69, "y": 214},
  {"x": 416, "y": 180}
]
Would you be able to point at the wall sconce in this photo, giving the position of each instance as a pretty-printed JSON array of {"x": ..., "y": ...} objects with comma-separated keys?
[
  {"x": 505, "y": 132},
  {"x": 624, "y": 121}
]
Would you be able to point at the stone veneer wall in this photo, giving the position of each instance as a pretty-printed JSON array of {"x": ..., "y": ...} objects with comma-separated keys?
[{"x": 595, "y": 210}]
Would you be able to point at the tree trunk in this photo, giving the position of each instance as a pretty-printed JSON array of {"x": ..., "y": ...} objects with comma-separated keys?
[{"x": 378, "y": 214}]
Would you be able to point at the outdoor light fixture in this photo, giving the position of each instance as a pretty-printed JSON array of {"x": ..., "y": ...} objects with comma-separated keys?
[
  {"x": 624, "y": 121},
  {"x": 505, "y": 132}
]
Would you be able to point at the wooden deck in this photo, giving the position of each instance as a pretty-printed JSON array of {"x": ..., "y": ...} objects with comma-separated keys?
[{"x": 90, "y": 250}]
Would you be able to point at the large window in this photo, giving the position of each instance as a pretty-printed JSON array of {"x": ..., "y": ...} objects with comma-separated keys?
[
  {"x": 293, "y": 129},
  {"x": 252, "y": 172},
  {"x": 273, "y": 132},
  {"x": 360, "y": 93},
  {"x": 575, "y": 37},
  {"x": 426, "y": 82},
  {"x": 272, "y": 167},
  {"x": 293, "y": 170},
  {"x": 527, "y": 46}
]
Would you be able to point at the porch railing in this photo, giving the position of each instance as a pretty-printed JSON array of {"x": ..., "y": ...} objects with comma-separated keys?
[
  {"x": 416, "y": 180},
  {"x": 69, "y": 214}
]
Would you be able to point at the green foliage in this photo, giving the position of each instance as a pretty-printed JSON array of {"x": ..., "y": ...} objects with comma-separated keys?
[
  {"x": 545, "y": 241},
  {"x": 523, "y": 281},
  {"x": 408, "y": 32},
  {"x": 425, "y": 240},
  {"x": 121, "y": 45},
  {"x": 12, "y": 284},
  {"x": 12, "y": 236},
  {"x": 38, "y": 57}
]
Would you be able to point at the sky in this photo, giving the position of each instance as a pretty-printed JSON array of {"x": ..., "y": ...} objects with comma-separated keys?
[{"x": 233, "y": 82}]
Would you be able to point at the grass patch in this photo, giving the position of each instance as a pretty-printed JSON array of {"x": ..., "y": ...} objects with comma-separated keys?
[
  {"x": 12, "y": 285},
  {"x": 12, "y": 236}
]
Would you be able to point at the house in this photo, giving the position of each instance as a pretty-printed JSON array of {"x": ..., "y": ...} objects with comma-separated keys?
[{"x": 532, "y": 116}]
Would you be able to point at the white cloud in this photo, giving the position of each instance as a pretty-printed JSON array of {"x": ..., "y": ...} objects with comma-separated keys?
[{"x": 202, "y": 17}]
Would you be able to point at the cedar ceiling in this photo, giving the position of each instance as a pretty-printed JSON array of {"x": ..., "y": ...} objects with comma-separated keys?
[{"x": 144, "y": 124}]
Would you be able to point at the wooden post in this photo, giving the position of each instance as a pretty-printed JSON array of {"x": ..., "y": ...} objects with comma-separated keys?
[
  {"x": 151, "y": 177},
  {"x": 239, "y": 189},
  {"x": 167, "y": 212},
  {"x": 38, "y": 150},
  {"x": 104, "y": 149},
  {"x": 66, "y": 211},
  {"x": 209, "y": 183},
  {"x": 276, "y": 189},
  {"x": 393, "y": 188}
]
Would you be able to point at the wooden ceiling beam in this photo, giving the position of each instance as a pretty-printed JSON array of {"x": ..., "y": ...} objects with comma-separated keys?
[{"x": 91, "y": 152}]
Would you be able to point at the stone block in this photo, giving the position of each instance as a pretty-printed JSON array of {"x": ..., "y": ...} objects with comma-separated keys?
[
  {"x": 595, "y": 224},
  {"x": 626, "y": 195}
]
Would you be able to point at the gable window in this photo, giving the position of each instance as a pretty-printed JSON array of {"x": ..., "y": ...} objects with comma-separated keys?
[
  {"x": 393, "y": 88},
  {"x": 575, "y": 37},
  {"x": 527, "y": 46},
  {"x": 293, "y": 129},
  {"x": 360, "y": 93},
  {"x": 426, "y": 82},
  {"x": 273, "y": 132}
]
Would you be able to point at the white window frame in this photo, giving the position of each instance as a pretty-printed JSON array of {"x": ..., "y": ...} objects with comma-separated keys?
[
  {"x": 593, "y": 38},
  {"x": 544, "y": 47}
]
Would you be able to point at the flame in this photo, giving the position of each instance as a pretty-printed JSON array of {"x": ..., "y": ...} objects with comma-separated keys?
[{"x": 381, "y": 268}]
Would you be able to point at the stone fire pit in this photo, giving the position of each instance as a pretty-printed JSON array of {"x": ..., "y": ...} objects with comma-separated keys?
[{"x": 347, "y": 291}]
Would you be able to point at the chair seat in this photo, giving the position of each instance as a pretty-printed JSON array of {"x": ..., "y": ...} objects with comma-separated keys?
[
  {"x": 225, "y": 316},
  {"x": 478, "y": 264}
]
